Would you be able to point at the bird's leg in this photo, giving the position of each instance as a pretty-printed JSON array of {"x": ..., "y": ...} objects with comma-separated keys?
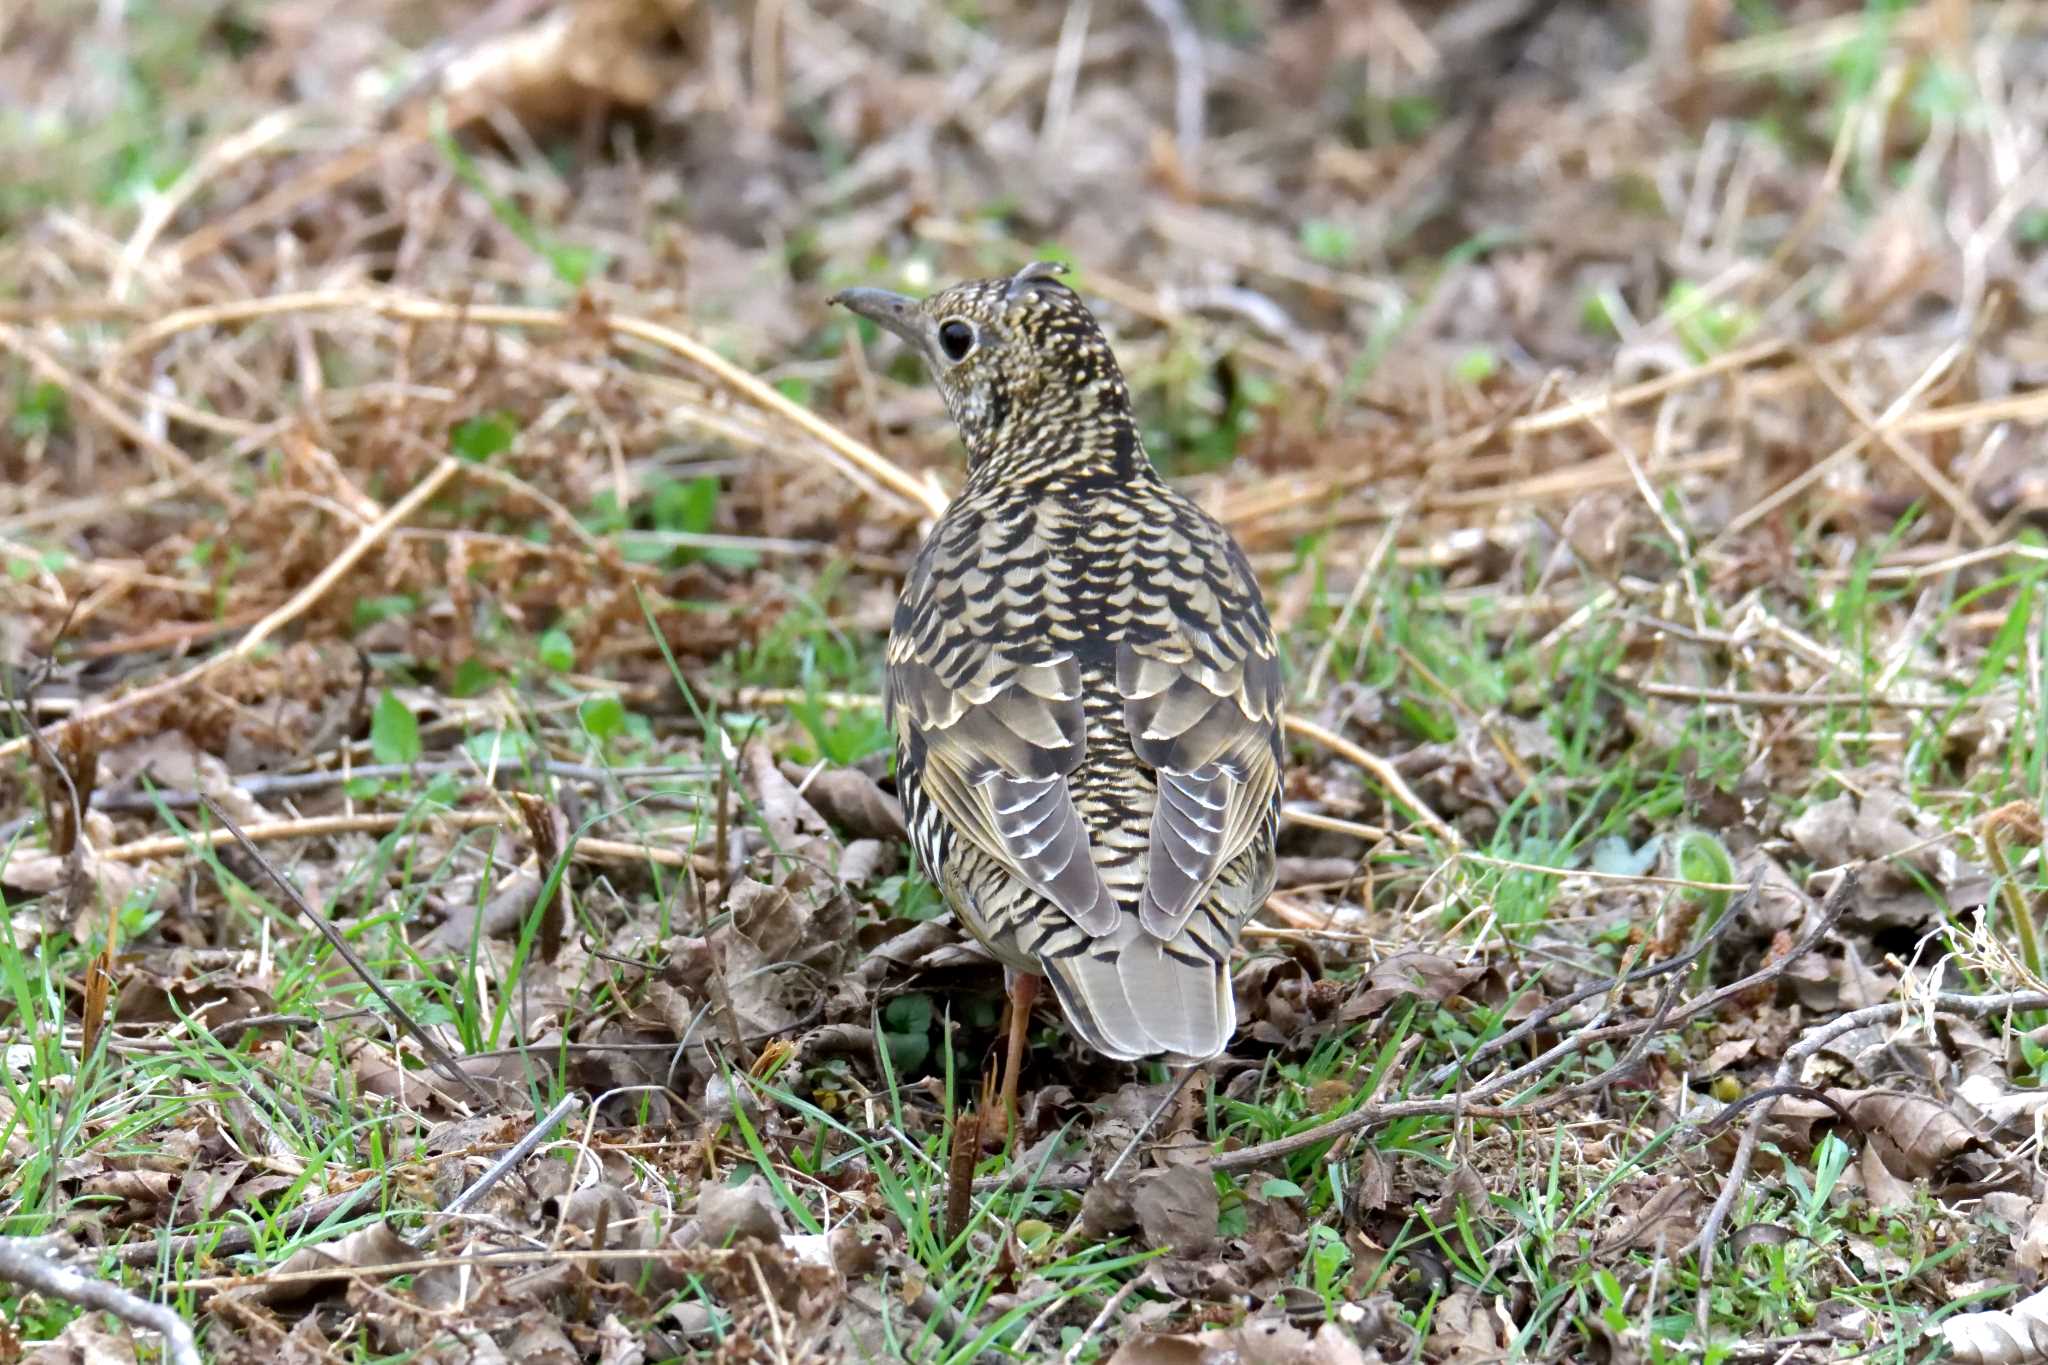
[{"x": 1023, "y": 992}]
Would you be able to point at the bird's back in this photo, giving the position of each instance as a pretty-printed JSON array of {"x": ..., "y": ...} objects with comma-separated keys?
[{"x": 1061, "y": 596}]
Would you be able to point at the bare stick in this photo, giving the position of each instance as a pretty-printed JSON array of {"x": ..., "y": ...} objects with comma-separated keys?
[
  {"x": 24, "y": 1261},
  {"x": 1101, "y": 1320},
  {"x": 383, "y": 822},
  {"x": 236, "y": 1239},
  {"x": 518, "y": 1152}
]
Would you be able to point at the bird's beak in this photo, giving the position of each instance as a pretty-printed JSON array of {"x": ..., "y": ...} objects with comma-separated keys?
[{"x": 891, "y": 312}]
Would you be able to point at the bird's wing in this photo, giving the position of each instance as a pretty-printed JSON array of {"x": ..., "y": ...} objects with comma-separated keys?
[
  {"x": 1202, "y": 704},
  {"x": 995, "y": 739}
]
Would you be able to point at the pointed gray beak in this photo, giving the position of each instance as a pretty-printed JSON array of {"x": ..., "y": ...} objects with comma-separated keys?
[{"x": 891, "y": 312}]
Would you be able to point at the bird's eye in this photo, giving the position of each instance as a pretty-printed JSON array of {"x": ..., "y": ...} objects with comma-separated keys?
[{"x": 956, "y": 339}]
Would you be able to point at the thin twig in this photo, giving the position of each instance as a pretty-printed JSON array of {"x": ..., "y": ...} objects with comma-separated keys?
[
  {"x": 436, "y": 1055},
  {"x": 1810, "y": 1043},
  {"x": 851, "y": 457},
  {"x": 383, "y": 822},
  {"x": 240, "y": 1237},
  {"x": 25, "y": 1261},
  {"x": 257, "y": 786},
  {"x": 1384, "y": 771},
  {"x": 1109, "y": 1309},
  {"x": 1190, "y": 80},
  {"x": 301, "y": 600},
  {"x": 518, "y": 1152}
]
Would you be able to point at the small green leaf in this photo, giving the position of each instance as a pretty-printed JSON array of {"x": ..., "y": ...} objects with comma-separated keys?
[
  {"x": 1704, "y": 858},
  {"x": 1329, "y": 242},
  {"x": 1596, "y": 314},
  {"x": 689, "y": 506},
  {"x": 603, "y": 717},
  {"x": 370, "y": 610},
  {"x": 1413, "y": 116},
  {"x": 556, "y": 650},
  {"x": 1276, "y": 1188},
  {"x": 1476, "y": 365},
  {"x": 500, "y": 747},
  {"x": 394, "y": 731},
  {"x": 572, "y": 264},
  {"x": 41, "y": 410},
  {"x": 478, "y": 438},
  {"x": 473, "y": 677},
  {"x": 908, "y": 1013}
]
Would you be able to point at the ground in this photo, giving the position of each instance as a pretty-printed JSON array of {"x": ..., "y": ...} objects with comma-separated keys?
[{"x": 426, "y": 438}]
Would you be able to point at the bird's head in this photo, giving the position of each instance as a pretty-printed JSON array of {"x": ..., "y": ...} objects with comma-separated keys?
[{"x": 1025, "y": 370}]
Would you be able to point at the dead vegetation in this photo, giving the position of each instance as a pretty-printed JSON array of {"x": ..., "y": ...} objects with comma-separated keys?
[{"x": 456, "y": 901}]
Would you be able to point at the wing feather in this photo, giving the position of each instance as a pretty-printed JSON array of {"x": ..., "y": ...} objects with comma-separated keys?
[
  {"x": 996, "y": 755},
  {"x": 1202, "y": 706}
]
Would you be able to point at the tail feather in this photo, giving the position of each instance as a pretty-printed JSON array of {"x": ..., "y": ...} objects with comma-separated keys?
[{"x": 1129, "y": 998}]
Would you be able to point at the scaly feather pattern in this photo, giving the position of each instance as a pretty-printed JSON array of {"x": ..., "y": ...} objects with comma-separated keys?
[{"x": 1082, "y": 681}]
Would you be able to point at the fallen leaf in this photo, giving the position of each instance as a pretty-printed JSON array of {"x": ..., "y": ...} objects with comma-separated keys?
[
  {"x": 726, "y": 1213},
  {"x": 1917, "y": 1134},
  {"x": 1254, "y": 1343},
  {"x": 1884, "y": 1189},
  {"x": 852, "y": 800},
  {"x": 83, "y": 1342},
  {"x": 787, "y": 814},
  {"x": 1429, "y": 977},
  {"x": 1177, "y": 1209},
  {"x": 372, "y": 1246},
  {"x": 1667, "y": 1219},
  {"x": 2014, "y": 1335}
]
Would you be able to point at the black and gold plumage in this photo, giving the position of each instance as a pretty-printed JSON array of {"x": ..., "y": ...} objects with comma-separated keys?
[{"x": 1083, "y": 684}]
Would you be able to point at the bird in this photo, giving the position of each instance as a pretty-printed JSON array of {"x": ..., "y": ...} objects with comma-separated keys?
[{"x": 1083, "y": 687}]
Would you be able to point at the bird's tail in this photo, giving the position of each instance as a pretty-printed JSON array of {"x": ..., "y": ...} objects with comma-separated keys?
[{"x": 1132, "y": 995}]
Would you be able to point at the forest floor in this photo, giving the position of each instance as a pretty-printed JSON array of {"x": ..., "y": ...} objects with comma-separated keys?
[{"x": 425, "y": 449}]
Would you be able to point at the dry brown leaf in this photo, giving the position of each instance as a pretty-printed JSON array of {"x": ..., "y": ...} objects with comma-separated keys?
[
  {"x": 371, "y": 1246},
  {"x": 1427, "y": 976},
  {"x": 1177, "y": 1209},
  {"x": 1917, "y": 1134},
  {"x": 2006, "y": 1336},
  {"x": 850, "y": 799},
  {"x": 539, "y": 1339},
  {"x": 1253, "y": 1343},
  {"x": 1465, "y": 1187},
  {"x": 787, "y": 814},
  {"x": 2030, "y": 1248},
  {"x": 1466, "y": 1329},
  {"x": 866, "y": 860},
  {"x": 1667, "y": 1219},
  {"x": 574, "y": 57},
  {"x": 83, "y": 1342},
  {"x": 726, "y": 1213},
  {"x": 1726, "y": 1055}
]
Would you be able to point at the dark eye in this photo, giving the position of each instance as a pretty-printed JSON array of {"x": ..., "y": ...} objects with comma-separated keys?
[{"x": 956, "y": 338}]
